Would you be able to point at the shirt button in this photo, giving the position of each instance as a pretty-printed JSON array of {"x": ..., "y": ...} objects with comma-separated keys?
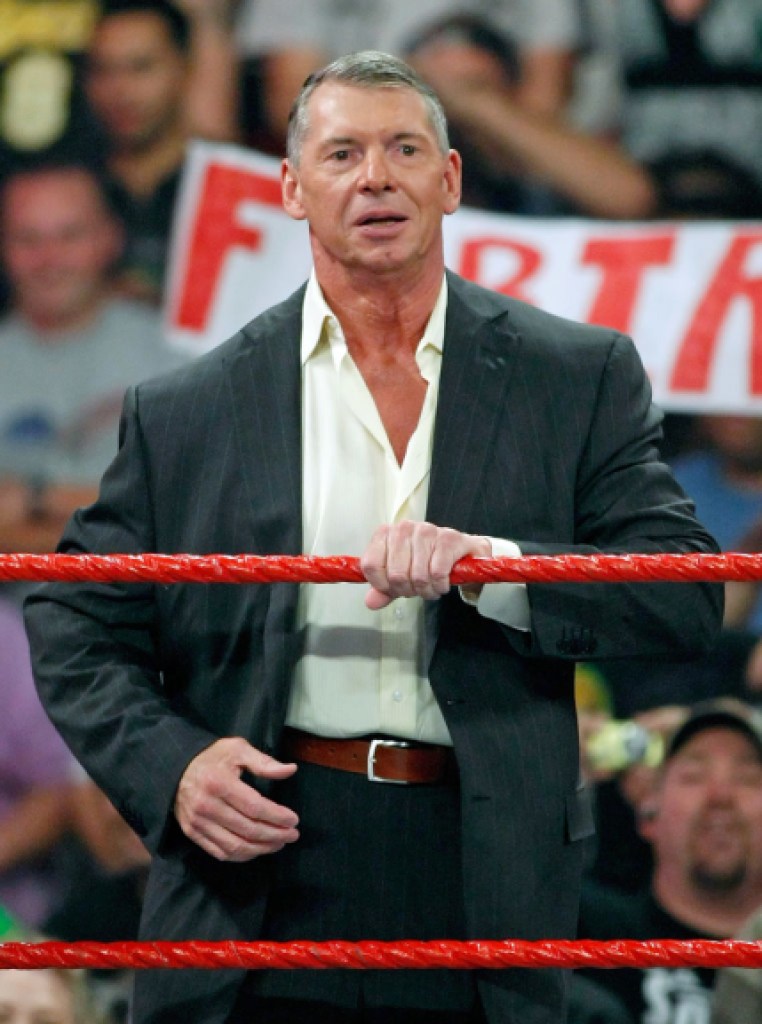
[
  {"x": 397, "y": 696},
  {"x": 398, "y": 612}
]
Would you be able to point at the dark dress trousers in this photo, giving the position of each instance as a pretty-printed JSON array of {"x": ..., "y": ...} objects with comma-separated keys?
[{"x": 544, "y": 434}]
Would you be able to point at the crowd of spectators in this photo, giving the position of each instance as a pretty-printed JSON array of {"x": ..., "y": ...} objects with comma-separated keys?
[{"x": 632, "y": 110}]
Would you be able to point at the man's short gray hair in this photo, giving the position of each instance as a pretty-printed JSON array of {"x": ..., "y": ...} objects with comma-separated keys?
[{"x": 367, "y": 69}]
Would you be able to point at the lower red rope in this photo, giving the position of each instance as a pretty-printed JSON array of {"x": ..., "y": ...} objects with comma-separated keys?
[{"x": 382, "y": 955}]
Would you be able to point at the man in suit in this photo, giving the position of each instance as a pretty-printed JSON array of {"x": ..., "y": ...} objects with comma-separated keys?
[{"x": 252, "y": 735}]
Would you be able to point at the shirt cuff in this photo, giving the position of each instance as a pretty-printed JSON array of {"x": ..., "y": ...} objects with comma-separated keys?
[{"x": 506, "y": 603}]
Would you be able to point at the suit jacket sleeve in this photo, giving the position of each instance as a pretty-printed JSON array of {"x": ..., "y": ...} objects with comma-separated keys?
[
  {"x": 97, "y": 661},
  {"x": 625, "y": 500}
]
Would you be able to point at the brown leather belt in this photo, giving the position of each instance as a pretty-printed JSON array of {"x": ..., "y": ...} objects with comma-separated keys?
[{"x": 380, "y": 760}]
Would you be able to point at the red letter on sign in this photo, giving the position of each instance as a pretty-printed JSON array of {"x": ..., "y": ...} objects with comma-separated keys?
[
  {"x": 623, "y": 262},
  {"x": 215, "y": 232},
  {"x": 694, "y": 359},
  {"x": 529, "y": 261}
]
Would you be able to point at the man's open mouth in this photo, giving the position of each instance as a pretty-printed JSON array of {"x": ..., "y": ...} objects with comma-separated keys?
[{"x": 379, "y": 219}]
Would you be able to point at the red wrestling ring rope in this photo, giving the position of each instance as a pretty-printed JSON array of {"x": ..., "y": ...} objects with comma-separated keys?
[
  {"x": 154, "y": 568},
  {"x": 381, "y": 955}
]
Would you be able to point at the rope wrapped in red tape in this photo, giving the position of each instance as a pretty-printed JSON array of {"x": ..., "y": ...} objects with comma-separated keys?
[
  {"x": 160, "y": 568},
  {"x": 403, "y": 955}
]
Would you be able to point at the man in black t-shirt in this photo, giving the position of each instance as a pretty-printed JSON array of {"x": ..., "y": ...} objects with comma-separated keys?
[
  {"x": 704, "y": 823},
  {"x": 137, "y": 73},
  {"x": 157, "y": 73}
]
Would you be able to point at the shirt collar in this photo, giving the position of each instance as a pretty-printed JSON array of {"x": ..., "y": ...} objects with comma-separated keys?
[{"x": 320, "y": 324}]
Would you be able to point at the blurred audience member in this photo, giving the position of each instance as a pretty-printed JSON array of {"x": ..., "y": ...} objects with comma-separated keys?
[
  {"x": 521, "y": 161},
  {"x": 105, "y": 868},
  {"x": 725, "y": 671},
  {"x": 703, "y": 820},
  {"x": 45, "y": 997},
  {"x": 754, "y": 664},
  {"x": 725, "y": 481},
  {"x": 43, "y": 111},
  {"x": 69, "y": 350},
  {"x": 212, "y": 94},
  {"x": 653, "y": 696},
  {"x": 744, "y": 607},
  {"x": 295, "y": 37},
  {"x": 36, "y": 771},
  {"x": 591, "y": 1003},
  {"x": 105, "y": 891},
  {"x": 704, "y": 186},
  {"x": 139, "y": 81},
  {"x": 14, "y": 930},
  {"x": 648, "y": 700},
  {"x": 688, "y": 78},
  {"x": 738, "y": 991},
  {"x": 41, "y": 104},
  {"x": 42, "y": 107},
  {"x": 619, "y": 759}
]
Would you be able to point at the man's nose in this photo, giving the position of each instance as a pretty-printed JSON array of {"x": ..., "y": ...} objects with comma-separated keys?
[
  {"x": 720, "y": 789},
  {"x": 47, "y": 250},
  {"x": 375, "y": 173}
]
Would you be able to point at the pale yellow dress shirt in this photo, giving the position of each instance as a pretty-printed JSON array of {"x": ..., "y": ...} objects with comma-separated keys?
[{"x": 363, "y": 671}]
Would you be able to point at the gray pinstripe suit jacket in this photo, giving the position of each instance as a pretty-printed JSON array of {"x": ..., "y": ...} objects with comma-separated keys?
[{"x": 544, "y": 434}]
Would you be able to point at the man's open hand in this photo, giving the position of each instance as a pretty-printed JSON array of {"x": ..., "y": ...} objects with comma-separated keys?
[{"x": 227, "y": 817}]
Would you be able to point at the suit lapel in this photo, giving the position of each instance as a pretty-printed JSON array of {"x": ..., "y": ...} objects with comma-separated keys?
[
  {"x": 265, "y": 388},
  {"x": 479, "y": 349}
]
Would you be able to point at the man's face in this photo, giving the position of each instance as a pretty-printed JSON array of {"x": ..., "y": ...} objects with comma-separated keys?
[
  {"x": 28, "y": 997},
  {"x": 58, "y": 241},
  {"x": 371, "y": 180},
  {"x": 136, "y": 79},
  {"x": 709, "y": 812},
  {"x": 738, "y": 439}
]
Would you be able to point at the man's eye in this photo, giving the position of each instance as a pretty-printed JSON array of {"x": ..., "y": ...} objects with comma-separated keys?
[
  {"x": 408, "y": 149},
  {"x": 341, "y": 154}
]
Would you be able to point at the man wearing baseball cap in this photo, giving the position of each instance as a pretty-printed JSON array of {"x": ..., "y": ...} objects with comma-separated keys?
[{"x": 704, "y": 824}]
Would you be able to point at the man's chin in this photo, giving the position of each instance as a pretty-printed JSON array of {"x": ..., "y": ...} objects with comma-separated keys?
[
  {"x": 381, "y": 263},
  {"x": 132, "y": 143},
  {"x": 387, "y": 256}
]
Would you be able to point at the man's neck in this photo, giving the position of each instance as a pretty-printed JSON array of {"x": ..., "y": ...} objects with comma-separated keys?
[
  {"x": 52, "y": 329},
  {"x": 141, "y": 171},
  {"x": 711, "y": 914},
  {"x": 381, "y": 314}
]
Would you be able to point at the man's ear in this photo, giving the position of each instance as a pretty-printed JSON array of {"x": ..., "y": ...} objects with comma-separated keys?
[
  {"x": 452, "y": 181},
  {"x": 291, "y": 191}
]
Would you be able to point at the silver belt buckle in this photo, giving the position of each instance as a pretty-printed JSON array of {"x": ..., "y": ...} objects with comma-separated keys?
[{"x": 374, "y": 745}]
